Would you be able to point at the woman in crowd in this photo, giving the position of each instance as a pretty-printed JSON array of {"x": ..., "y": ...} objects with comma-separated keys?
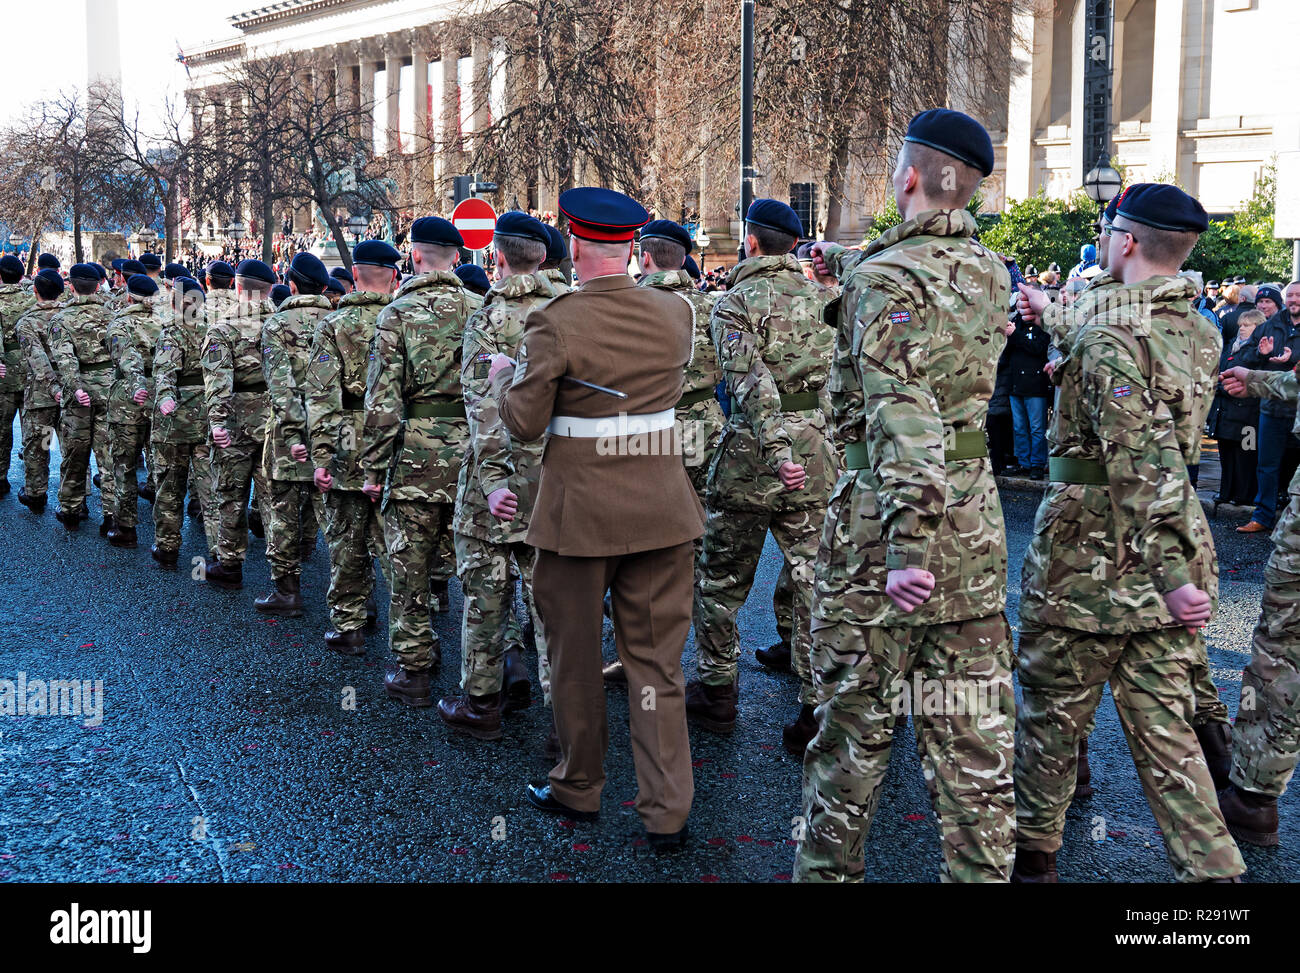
[{"x": 1234, "y": 423}]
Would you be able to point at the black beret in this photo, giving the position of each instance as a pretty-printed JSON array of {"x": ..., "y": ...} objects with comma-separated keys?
[
  {"x": 188, "y": 285},
  {"x": 775, "y": 215},
  {"x": 280, "y": 293},
  {"x": 219, "y": 268},
  {"x": 1270, "y": 292},
  {"x": 953, "y": 133},
  {"x": 602, "y": 215},
  {"x": 691, "y": 267},
  {"x": 376, "y": 253},
  {"x": 117, "y": 262},
  {"x": 256, "y": 270},
  {"x": 334, "y": 285},
  {"x": 437, "y": 231},
  {"x": 151, "y": 261},
  {"x": 668, "y": 230},
  {"x": 11, "y": 265},
  {"x": 47, "y": 260},
  {"x": 48, "y": 284},
  {"x": 342, "y": 273},
  {"x": 557, "y": 250},
  {"x": 1162, "y": 207},
  {"x": 306, "y": 268},
  {"x": 83, "y": 272},
  {"x": 99, "y": 269},
  {"x": 521, "y": 225},
  {"x": 141, "y": 285},
  {"x": 474, "y": 277},
  {"x": 1111, "y": 208},
  {"x": 174, "y": 270},
  {"x": 130, "y": 267}
]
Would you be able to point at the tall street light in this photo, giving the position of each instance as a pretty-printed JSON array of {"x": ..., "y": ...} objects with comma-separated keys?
[{"x": 746, "y": 115}]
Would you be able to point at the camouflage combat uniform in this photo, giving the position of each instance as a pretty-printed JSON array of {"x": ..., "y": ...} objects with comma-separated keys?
[
  {"x": 486, "y": 546},
  {"x": 774, "y": 350},
  {"x": 1119, "y": 526},
  {"x": 14, "y": 303},
  {"x": 286, "y": 348},
  {"x": 235, "y": 393},
  {"x": 921, "y": 327},
  {"x": 40, "y": 414},
  {"x": 132, "y": 337},
  {"x": 414, "y": 433},
  {"x": 336, "y": 390},
  {"x": 182, "y": 454},
  {"x": 79, "y": 348}
]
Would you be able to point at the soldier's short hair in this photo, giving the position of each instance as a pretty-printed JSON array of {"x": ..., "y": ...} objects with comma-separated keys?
[
  {"x": 1167, "y": 248},
  {"x": 666, "y": 254},
  {"x": 84, "y": 285},
  {"x": 521, "y": 253},
  {"x": 220, "y": 283},
  {"x": 604, "y": 249},
  {"x": 369, "y": 276},
  {"x": 770, "y": 242},
  {"x": 434, "y": 253},
  {"x": 253, "y": 284},
  {"x": 9, "y": 276},
  {"x": 944, "y": 179}
]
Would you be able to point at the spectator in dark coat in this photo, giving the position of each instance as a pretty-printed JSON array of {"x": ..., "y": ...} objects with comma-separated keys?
[
  {"x": 1233, "y": 422},
  {"x": 1274, "y": 346},
  {"x": 1229, "y": 316},
  {"x": 1002, "y": 448},
  {"x": 1030, "y": 390}
]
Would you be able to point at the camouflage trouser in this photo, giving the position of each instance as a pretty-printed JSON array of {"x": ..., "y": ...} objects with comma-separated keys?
[
  {"x": 355, "y": 535},
  {"x": 38, "y": 435},
  {"x": 412, "y": 531},
  {"x": 291, "y": 524},
  {"x": 1209, "y": 707},
  {"x": 1266, "y": 736},
  {"x": 126, "y": 440},
  {"x": 173, "y": 464},
  {"x": 733, "y": 544},
  {"x": 783, "y": 603},
  {"x": 444, "y": 565},
  {"x": 489, "y": 586},
  {"x": 238, "y": 467},
  {"x": 865, "y": 677},
  {"x": 1062, "y": 673},
  {"x": 10, "y": 404},
  {"x": 81, "y": 428}
]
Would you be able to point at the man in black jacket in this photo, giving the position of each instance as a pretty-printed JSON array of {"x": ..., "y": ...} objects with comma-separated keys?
[
  {"x": 1275, "y": 346},
  {"x": 1029, "y": 388}
]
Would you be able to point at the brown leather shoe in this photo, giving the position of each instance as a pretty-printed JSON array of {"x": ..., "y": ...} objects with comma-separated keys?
[
  {"x": 518, "y": 691},
  {"x": 164, "y": 557},
  {"x": 775, "y": 657},
  {"x": 411, "y": 688},
  {"x": 346, "y": 643},
  {"x": 121, "y": 536},
  {"x": 69, "y": 521},
  {"x": 225, "y": 574},
  {"x": 1216, "y": 744},
  {"x": 285, "y": 601},
  {"x": 1034, "y": 868},
  {"x": 106, "y": 525},
  {"x": 797, "y": 735},
  {"x": 1083, "y": 788},
  {"x": 713, "y": 707},
  {"x": 1254, "y": 527},
  {"x": 1251, "y": 817},
  {"x": 614, "y": 674},
  {"x": 479, "y": 716}
]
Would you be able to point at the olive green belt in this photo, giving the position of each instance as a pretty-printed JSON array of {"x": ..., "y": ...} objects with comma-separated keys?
[
  {"x": 694, "y": 398},
  {"x": 354, "y": 402},
  {"x": 1061, "y": 469},
  {"x": 967, "y": 444},
  {"x": 250, "y": 387},
  {"x": 794, "y": 402},
  {"x": 96, "y": 368},
  {"x": 435, "y": 410}
]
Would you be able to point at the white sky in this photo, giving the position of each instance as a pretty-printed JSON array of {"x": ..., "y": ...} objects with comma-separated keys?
[{"x": 38, "y": 63}]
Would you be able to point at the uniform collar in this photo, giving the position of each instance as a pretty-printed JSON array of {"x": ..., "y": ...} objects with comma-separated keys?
[
  {"x": 766, "y": 264},
  {"x": 668, "y": 279},
  {"x": 608, "y": 282},
  {"x": 305, "y": 300},
  {"x": 930, "y": 222},
  {"x": 420, "y": 282},
  {"x": 513, "y": 287}
]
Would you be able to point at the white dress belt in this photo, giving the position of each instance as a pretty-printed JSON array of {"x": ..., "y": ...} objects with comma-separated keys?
[{"x": 604, "y": 427}]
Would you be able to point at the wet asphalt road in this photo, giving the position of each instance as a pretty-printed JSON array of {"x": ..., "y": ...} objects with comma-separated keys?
[{"x": 226, "y": 753}]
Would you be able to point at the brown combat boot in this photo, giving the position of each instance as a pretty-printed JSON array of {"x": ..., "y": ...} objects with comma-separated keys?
[
  {"x": 224, "y": 574},
  {"x": 147, "y": 492},
  {"x": 1035, "y": 868},
  {"x": 346, "y": 643},
  {"x": 411, "y": 688},
  {"x": 285, "y": 601},
  {"x": 122, "y": 536},
  {"x": 479, "y": 716},
  {"x": 797, "y": 735},
  {"x": 713, "y": 707},
  {"x": 106, "y": 525},
  {"x": 1083, "y": 775},
  {"x": 372, "y": 614},
  {"x": 518, "y": 691},
  {"x": 164, "y": 557},
  {"x": 1216, "y": 744},
  {"x": 1251, "y": 817},
  {"x": 71, "y": 521},
  {"x": 614, "y": 673},
  {"x": 775, "y": 657}
]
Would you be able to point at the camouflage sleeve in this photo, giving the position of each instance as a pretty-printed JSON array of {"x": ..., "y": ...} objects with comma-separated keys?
[
  {"x": 1062, "y": 326},
  {"x": 526, "y": 393},
  {"x": 385, "y": 378},
  {"x": 218, "y": 378},
  {"x": 168, "y": 360},
  {"x": 281, "y": 388},
  {"x": 842, "y": 383},
  {"x": 488, "y": 435},
  {"x": 64, "y": 354},
  {"x": 1273, "y": 385},
  {"x": 749, "y": 381},
  {"x": 126, "y": 354},
  {"x": 33, "y": 352},
  {"x": 903, "y": 429},
  {"x": 841, "y": 260},
  {"x": 1144, "y": 464},
  {"x": 324, "y": 395}
]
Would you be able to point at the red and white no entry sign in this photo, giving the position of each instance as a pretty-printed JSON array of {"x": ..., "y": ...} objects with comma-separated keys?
[{"x": 476, "y": 220}]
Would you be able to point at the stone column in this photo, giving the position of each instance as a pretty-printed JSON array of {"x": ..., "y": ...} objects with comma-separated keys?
[
  {"x": 420, "y": 90},
  {"x": 1031, "y": 86},
  {"x": 451, "y": 143},
  {"x": 1078, "y": 44},
  {"x": 481, "y": 80},
  {"x": 393, "y": 77},
  {"x": 366, "y": 93},
  {"x": 1167, "y": 91}
]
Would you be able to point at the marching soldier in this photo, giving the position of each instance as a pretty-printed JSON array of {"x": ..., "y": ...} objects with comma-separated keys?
[
  {"x": 345, "y": 277},
  {"x": 494, "y": 495},
  {"x": 336, "y": 391},
  {"x": 181, "y": 449},
  {"x": 79, "y": 348},
  {"x": 557, "y": 254},
  {"x": 414, "y": 435},
  {"x": 118, "y": 298},
  {"x": 1122, "y": 573},
  {"x": 41, "y": 393},
  {"x": 911, "y": 573},
  {"x": 775, "y": 465},
  {"x": 238, "y": 412},
  {"x": 286, "y": 348},
  {"x": 15, "y": 301}
]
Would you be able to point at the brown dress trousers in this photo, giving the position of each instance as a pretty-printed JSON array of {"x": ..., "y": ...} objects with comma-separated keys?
[{"x": 615, "y": 514}]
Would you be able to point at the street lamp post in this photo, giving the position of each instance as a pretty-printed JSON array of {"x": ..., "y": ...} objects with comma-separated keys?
[
  {"x": 702, "y": 241},
  {"x": 358, "y": 226},
  {"x": 1103, "y": 182},
  {"x": 746, "y": 116}
]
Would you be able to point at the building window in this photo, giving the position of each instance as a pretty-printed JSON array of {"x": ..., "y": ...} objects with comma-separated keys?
[{"x": 803, "y": 200}]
